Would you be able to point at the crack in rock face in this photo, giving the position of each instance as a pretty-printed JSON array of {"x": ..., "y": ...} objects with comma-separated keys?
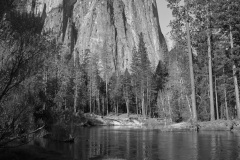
[{"x": 105, "y": 28}]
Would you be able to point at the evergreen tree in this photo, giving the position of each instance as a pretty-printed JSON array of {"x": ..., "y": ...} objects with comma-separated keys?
[
  {"x": 160, "y": 76},
  {"x": 141, "y": 72},
  {"x": 115, "y": 91},
  {"x": 106, "y": 69},
  {"x": 127, "y": 89}
]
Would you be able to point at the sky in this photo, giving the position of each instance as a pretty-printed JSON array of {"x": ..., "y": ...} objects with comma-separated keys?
[{"x": 165, "y": 15}]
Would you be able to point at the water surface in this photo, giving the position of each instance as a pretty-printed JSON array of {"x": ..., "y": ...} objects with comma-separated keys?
[{"x": 142, "y": 144}]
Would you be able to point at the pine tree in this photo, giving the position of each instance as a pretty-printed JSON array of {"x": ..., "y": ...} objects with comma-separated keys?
[
  {"x": 115, "y": 90},
  {"x": 127, "y": 89},
  {"x": 227, "y": 20},
  {"x": 160, "y": 76},
  {"x": 106, "y": 69},
  {"x": 135, "y": 69},
  {"x": 141, "y": 69}
]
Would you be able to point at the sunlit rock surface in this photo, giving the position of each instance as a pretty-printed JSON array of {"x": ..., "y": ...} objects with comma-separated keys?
[{"x": 106, "y": 28}]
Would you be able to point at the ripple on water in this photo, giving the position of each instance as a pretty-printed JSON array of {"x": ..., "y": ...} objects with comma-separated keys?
[{"x": 141, "y": 144}]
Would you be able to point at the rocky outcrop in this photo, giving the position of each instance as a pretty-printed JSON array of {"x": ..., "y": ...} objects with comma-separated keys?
[
  {"x": 112, "y": 120},
  {"x": 106, "y": 28}
]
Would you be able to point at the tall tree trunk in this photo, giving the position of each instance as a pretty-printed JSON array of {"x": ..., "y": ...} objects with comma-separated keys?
[
  {"x": 189, "y": 106},
  {"x": 94, "y": 105},
  {"x": 216, "y": 97},
  {"x": 194, "y": 109},
  {"x": 163, "y": 106},
  {"x": 143, "y": 104},
  {"x": 235, "y": 78},
  {"x": 136, "y": 104},
  {"x": 210, "y": 79},
  {"x": 75, "y": 98},
  {"x": 209, "y": 35},
  {"x": 225, "y": 98},
  {"x": 150, "y": 112},
  {"x": 98, "y": 101},
  {"x": 136, "y": 99},
  {"x": 127, "y": 105},
  {"x": 76, "y": 67},
  {"x": 107, "y": 94},
  {"x": 103, "y": 105},
  {"x": 148, "y": 99},
  {"x": 170, "y": 110}
]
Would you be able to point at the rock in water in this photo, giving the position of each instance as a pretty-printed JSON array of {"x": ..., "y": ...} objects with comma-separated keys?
[{"x": 107, "y": 29}]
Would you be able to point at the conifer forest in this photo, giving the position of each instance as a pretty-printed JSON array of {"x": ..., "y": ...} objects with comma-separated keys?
[{"x": 42, "y": 82}]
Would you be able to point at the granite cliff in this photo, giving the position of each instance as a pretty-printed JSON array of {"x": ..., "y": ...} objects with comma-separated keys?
[{"x": 97, "y": 26}]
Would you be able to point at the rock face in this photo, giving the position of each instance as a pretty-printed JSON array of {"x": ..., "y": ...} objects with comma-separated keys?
[{"x": 105, "y": 28}]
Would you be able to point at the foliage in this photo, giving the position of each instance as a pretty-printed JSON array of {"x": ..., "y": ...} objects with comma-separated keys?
[
  {"x": 218, "y": 17},
  {"x": 23, "y": 51}
]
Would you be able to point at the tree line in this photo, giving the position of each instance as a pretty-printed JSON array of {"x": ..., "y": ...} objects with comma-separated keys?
[
  {"x": 43, "y": 81},
  {"x": 94, "y": 87},
  {"x": 214, "y": 30}
]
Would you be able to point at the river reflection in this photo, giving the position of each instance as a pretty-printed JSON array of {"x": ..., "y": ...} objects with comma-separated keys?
[{"x": 137, "y": 144}]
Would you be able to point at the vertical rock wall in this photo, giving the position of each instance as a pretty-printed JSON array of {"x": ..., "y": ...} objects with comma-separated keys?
[{"x": 110, "y": 26}]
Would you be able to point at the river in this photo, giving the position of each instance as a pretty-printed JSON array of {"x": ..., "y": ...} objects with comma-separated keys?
[{"x": 142, "y": 144}]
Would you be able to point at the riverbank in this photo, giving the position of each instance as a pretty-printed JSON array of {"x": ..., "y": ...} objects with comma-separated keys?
[
  {"x": 63, "y": 132},
  {"x": 30, "y": 152},
  {"x": 220, "y": 125},
  {"x": 217, "y": 125},
  {"x": 160, "y": 124}
]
